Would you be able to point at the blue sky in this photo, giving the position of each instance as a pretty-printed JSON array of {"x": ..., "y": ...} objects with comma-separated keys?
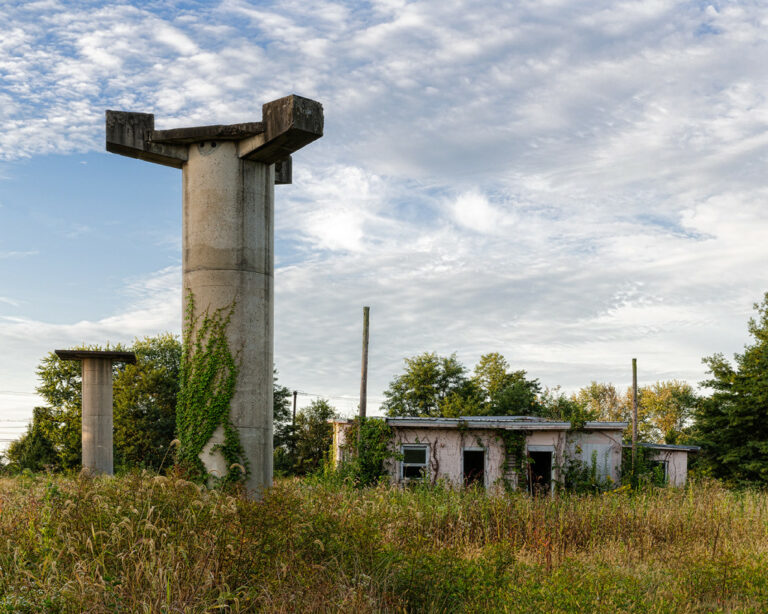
[{"x": 569, "y": 183}]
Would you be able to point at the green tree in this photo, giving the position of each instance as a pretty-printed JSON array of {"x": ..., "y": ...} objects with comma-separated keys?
[
  {"x": 604, "y": 402},
  {"x": 281, "y": 413},
  {"x": 558, "y": 406},
  {"x": 429, "y": 382},
  {"x": 518, "y": 397},
  {"x": 505, "y": 393},
  {"x": 667, "y": 409},
  {"x": 731, "y": 424},
  {"x": 36, "y": 449},
  {"x": 491, "y": 375},
  {"x": 314, "y": 435},
  {"x": 144, "y": 400}
]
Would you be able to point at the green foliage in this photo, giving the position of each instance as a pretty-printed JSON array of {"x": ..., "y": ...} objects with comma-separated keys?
[
  {"x": 366, "y": 464},
  {"x": 584, "y": 477},
  {"x": 491, "y": 375},
  {"x": 664, "y": 409},
  {"x": 281, "y": 413},
  {"x": 314, "y": 435},
  {"x": 36, "y": 450},
  {"x": 428, "y": 382},
  {"x": 438, "y": 386},
  {"x": 646, "y": 472},
  {"x": 603, "y": 401},
  {"x": 144, "y": 399},
  {"x": 207, "y": 380},
  {"x": 731, "y": 424},
  {"x": 557, "y": 406},
  {"x": 146, "y": 543},
  {"x": 144, "y": 409}
]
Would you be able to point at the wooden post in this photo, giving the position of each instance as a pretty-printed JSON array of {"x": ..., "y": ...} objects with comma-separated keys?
[
  {"x": 364, "y": 372},
  {"x": 634, "y": 413}
]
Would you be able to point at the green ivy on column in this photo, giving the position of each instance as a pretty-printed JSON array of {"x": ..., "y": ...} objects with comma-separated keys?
[{"x": 208, "y": 375}]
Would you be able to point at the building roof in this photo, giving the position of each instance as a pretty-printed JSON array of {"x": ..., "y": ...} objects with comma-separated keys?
[
  {"x": 664, "y": 447},
  {"x": 499, "y": 422}
]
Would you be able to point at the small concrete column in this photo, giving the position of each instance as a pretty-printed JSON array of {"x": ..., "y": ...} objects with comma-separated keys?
[
  {"x": 228, "y": 177},
  {"x": 97, "y": 405}
]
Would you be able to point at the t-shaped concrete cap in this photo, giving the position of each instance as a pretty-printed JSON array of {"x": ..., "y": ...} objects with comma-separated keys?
[
  {"x": 127, "y": 357},
  {"x": 288, "y": 124}
]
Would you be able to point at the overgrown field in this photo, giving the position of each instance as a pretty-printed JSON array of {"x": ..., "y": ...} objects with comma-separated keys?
[{"x": 157, "y": 544}]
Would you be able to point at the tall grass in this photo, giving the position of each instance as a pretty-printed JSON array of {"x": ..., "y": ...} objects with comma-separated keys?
[{"x": 144, "y": 543}]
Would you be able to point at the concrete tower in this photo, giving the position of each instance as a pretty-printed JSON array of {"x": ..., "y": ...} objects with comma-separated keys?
[{"x": 228, "y": 175}]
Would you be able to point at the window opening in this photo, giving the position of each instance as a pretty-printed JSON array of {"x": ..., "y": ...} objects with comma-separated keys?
[{"x": 414, "y": 463}]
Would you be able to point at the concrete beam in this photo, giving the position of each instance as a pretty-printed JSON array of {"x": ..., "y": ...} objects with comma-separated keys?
[
  {"x": 97, "y": 410},
  {"x": 290, "y": 123},
  {"x": 128, "y": 134}
]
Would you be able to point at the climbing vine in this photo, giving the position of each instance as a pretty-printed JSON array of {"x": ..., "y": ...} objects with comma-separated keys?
[
  {"x": 207, "y": 378},
  {"x": 515, "y": 458}
]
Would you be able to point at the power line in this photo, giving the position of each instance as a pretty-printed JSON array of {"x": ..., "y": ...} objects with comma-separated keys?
[{"x": 17, "y": 393}]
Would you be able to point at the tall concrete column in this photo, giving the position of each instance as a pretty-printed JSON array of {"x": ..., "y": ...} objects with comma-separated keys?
[
  {"x": 228, "y": 175},
  {"x": 97, "y": 408}
]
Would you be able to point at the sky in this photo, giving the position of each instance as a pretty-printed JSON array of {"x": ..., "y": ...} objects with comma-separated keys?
[{"x": 572, "y": 184}]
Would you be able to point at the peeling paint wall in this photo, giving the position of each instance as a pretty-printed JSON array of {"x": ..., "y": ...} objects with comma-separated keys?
[
  {"x": 446, "y": 446},
  {"x": 603, "y": 446},
  {"x": 677, "y": 464}
]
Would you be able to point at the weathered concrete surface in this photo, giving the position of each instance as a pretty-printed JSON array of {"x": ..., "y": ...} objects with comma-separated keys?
[
  {"x": 227, "y": 225},
  {"x": 228, "y": 175},
  {"x": 97, "y": 410},
  {"x": 97, "y": 416}
]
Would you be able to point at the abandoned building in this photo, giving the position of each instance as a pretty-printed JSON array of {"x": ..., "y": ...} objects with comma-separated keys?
[
  {"x": 472, "y": 450},
  {"x": 672, "y": 459}
]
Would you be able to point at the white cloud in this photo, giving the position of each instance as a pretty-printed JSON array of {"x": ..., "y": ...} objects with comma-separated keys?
[
  {"x": 570, "y": 183},
  {"x": 11, "y": 254}
]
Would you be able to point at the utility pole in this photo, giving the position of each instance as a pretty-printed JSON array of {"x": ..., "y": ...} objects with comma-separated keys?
[
  {"x": 293, "y": 422},
  {"x": 634, "y": 413},
  {"x": 364, "y": 372}
]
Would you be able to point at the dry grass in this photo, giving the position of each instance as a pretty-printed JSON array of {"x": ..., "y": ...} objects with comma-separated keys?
[{"x": 145, "y": 543}]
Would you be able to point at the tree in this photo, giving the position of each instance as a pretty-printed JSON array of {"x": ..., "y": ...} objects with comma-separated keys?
[
  {"x": 314, "y": 435},
  {"x": 518, "y": 397},
  {"x": 664, "y": 409},
  {"x": 35, "y": 449},
  {"x": 144, "y": 400},
  {"x": 731, "y": 424},
  {"x": 429, "y": 382},
  {"x": 144, "y": 409},
  {"x": 558, "y": 406},
  {"x": 491, "y": 375},
  {"x": 281, "y": 413},
  {"x": 505, "y": 393},
  {"x": 604, "y": 402},
  {"x": 667, "y": 408}
]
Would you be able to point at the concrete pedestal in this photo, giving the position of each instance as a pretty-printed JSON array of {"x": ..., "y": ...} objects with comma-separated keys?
[{"x": 97, "y": 409}]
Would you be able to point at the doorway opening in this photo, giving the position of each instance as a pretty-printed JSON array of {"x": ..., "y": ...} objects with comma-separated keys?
[
  {"x": 540, "y": 473},
  {"x": 474, "y": 467}
]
